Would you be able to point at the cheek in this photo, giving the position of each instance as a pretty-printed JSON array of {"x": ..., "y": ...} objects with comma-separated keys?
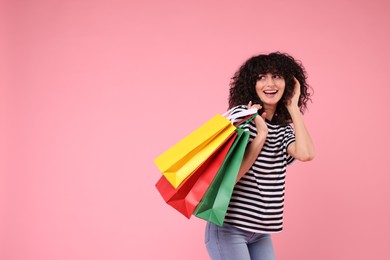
[
  {"x": 282, "y": 87},
  {"x": 259, "y": 91},
  {"x": 259, "y": 87}
]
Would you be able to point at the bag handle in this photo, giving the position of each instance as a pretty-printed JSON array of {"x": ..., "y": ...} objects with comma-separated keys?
[
  {"x": 244, "y": 113},
  {"x": 245, "y": 121}
]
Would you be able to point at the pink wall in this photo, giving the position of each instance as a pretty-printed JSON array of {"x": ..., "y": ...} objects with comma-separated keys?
[{"x": 93, "y": 91}]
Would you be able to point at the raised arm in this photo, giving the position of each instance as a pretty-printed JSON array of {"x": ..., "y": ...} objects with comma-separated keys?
[{"x": 302, "y": 149}]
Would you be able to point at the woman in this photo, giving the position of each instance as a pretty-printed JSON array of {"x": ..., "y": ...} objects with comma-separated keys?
[{"x": 276, "y": 85}]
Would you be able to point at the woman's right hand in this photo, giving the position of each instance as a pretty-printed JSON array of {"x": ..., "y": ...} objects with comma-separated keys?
[{"x": 261, "y": 126}]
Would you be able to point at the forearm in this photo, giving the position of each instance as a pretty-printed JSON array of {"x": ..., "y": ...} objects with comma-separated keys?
[
  {"x": 251, "y": 154},
  {"x": 303, "y": 149}
]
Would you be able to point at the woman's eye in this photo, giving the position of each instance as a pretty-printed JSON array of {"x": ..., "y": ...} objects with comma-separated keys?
[{"x": 260, "y": 77}]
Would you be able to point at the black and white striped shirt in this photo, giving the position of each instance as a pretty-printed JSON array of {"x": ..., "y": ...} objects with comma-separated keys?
[{"x": 257, "y": 201}]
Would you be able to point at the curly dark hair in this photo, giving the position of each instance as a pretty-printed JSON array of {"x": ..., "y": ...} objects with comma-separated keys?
[{"x": 243, "y": 83}]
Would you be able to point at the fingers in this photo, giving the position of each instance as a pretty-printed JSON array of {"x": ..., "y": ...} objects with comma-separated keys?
[
  {"x": 297, "y": 84},
  {"x": 261, "y": 126},
  {"x": 262, "y": 116},
  {"x": 296, "y": 81},
  {"x": 296, "y": 94},
  {"x": 250, "y": 105}
]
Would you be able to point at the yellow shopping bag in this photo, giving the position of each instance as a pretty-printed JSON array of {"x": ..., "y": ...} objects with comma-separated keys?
[{"x": 182, "y": 159}]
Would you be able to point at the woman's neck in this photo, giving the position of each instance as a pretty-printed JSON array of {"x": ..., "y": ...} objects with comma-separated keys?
[{"x": 269, "y": 112}]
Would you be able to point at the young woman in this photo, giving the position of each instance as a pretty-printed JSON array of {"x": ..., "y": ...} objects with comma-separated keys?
[{"x": 276, "y": 85}]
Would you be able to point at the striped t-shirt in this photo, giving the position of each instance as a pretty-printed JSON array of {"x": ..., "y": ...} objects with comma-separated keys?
[{"x": 257, "y": 201}]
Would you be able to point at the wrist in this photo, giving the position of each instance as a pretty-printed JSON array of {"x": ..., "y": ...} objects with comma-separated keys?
[{"x": 293, "y": 109}]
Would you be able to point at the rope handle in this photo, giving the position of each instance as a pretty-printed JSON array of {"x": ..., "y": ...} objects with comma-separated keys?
[{"x": 245, "y": 121}]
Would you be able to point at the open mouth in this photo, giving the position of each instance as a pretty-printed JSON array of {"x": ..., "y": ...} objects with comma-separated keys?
[{"x": 270, "y": 93}]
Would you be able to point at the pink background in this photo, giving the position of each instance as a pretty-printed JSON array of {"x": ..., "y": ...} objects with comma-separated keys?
[{"x": 92, "y": 91}]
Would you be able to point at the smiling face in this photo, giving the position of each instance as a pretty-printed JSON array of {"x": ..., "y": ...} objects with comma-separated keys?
[{"x": 270, "y": 88}]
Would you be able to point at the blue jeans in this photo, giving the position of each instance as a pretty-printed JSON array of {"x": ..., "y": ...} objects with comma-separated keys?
[{"x": 231, "y": 243}]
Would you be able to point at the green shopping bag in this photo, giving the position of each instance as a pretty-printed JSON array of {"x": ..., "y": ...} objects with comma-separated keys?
[{"x": 215, "y": 202}]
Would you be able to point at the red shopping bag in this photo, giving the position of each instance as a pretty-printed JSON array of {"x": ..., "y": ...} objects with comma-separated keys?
[{"x": 189, "y": 193}]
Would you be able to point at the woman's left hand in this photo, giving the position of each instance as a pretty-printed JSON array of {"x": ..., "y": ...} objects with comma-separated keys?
[{"x": 295, "y": 97}]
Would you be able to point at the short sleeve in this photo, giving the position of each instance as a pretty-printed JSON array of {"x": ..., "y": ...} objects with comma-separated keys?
[{"x": 289, "y": 139}]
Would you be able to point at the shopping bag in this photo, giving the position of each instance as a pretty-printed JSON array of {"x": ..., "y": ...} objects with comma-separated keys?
[
  {"x": 178, "y": 162},
  {"x": 189, "y": 193},
  {"x": 214, "y": 204}
]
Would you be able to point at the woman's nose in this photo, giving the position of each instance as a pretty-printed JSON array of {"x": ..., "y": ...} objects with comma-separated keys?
[{"x": 270, "y": 80}]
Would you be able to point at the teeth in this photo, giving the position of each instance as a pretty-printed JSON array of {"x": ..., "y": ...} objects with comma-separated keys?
[{"x": 270, "y": 92}]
